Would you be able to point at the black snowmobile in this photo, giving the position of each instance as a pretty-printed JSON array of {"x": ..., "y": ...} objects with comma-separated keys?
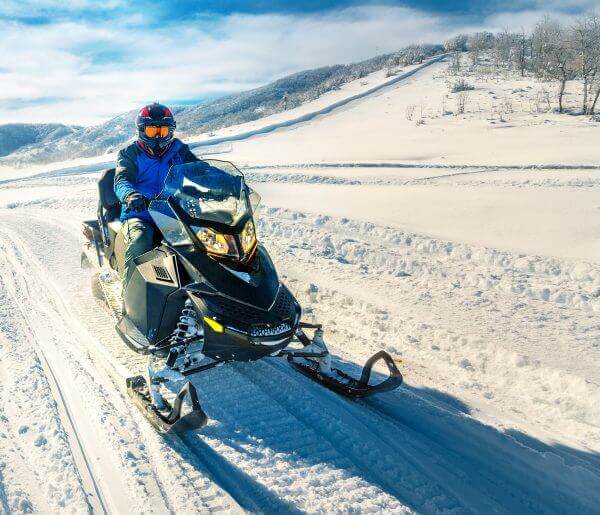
[{"x": 206, "y": 295}]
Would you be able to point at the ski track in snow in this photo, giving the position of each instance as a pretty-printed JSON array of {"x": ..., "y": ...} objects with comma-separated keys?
[
  {"x": 478, "y": 428},
  {"x": 132, "y": 460},
  {"x": 32, "y": 427}
]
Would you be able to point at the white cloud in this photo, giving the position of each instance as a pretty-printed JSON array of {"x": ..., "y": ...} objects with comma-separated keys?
[
  {"x": 195, "y": 58},
  {"x": 33, "y": 8}
]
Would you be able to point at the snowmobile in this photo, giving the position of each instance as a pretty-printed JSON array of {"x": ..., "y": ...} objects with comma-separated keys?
[{"x": 206, "y": 295}]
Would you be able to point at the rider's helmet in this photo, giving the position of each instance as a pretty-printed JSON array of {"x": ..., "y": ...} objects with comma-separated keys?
[{"x": 155, "y": 125}]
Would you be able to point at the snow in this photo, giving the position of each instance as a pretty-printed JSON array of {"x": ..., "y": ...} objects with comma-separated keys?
[
  {"x": 562, "y": 222},
  {"x": 376, "y": 128},
  {"x": 481, "y": 278}
]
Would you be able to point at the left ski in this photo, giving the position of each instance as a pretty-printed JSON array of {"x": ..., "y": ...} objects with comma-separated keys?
[{"x": 346, "y": 385}]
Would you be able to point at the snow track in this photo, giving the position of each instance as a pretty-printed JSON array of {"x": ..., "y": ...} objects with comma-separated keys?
[
  {"x": 97, "y": 504},
  {"x": 47, "y": 332}
]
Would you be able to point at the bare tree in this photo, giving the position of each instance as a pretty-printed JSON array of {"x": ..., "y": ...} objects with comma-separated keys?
[
  {"x": 553, "y": 55},
  {"x": 455, "y": 62},
  {"x": 503, "y": 49},
  {"x": 585, "y": 41},
  {"x": 461, "y": 102},
  {"x": 477, "y": 43},
  {"x": 543, "y": 39},
  {"x": 521, "y": 44},
  {"x": 456, "y": 44},
  {"x": 595, "y": 88}
]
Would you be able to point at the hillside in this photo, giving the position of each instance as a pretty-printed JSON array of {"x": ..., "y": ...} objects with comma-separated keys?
[
  {"x": 504, "y": 120},
  {"x": 16, "y": 136},
  {"x": 281, "y": 95}
]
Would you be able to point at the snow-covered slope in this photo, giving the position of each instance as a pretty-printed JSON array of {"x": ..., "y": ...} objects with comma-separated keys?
[
  {"x": 418, "y": 122},
  {"x": 15, "y": 136},
  {"x": 298, "y": 89},
  {"x": 484, "y": 282}
]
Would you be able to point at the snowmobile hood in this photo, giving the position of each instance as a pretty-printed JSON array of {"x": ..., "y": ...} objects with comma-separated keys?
[{"x": 257, "y": 286}]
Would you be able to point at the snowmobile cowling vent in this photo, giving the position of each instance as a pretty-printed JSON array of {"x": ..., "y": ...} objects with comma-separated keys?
[
  {"x": 284, "y": 304},
  {"x": 161, "y": 273}
]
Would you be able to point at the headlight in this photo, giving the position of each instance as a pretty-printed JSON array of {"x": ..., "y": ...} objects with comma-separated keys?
[
  {"x": 217, "y": 243},
  {"x": 248, "y": 237}
]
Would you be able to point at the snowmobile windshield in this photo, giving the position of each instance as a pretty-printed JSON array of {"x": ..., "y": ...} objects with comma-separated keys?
[
  {"x": 212, "y": 191},
  {"x": 208, "y": 192}
]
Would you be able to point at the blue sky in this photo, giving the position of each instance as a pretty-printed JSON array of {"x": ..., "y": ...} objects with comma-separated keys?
[{"x": 83, "y": 61}]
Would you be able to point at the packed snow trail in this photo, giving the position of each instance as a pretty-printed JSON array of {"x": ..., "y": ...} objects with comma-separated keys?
[
  {"x": 97, "y": 504},
  {"x": 277, "y": 441},
  {"x": 100, "y": 400}
]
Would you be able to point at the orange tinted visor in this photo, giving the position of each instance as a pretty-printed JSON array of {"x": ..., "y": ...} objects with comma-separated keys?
[{"x": 156, "y": 132}]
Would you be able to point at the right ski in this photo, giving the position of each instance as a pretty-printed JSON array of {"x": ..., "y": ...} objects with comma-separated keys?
[{"x": 170, "y": 419}]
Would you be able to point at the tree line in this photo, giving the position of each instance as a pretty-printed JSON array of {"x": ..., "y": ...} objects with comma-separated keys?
[{"x": 552, "y": 51}]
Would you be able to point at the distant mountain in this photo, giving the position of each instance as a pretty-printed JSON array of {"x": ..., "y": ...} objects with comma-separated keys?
[
  {"x": 83, "y": 142},
  {"x": 14, "y": 136},
  {"x": 278, "y": 96}
]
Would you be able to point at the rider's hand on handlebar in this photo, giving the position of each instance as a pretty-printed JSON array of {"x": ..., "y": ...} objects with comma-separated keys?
[{"x": 136, "y": 203}]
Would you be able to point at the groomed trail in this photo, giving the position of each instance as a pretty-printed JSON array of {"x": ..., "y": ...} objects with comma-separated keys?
[{"x": 276, "y": 441}]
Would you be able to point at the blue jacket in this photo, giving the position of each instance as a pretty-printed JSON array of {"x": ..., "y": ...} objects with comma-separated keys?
[{"x": 138, "y": 172}]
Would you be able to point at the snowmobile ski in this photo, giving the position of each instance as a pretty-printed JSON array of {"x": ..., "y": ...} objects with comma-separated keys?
[
  {"x": 170, "y": 419},
  {"x": 344, "y": 384}
]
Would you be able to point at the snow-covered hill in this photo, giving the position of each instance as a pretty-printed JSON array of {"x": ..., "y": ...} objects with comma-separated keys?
[
  {"x": 482, "y": 278},
  {"x": 419, "y": 122},
  {"x": 15, "y": 136},
  {"x": 282, "y": 95}
]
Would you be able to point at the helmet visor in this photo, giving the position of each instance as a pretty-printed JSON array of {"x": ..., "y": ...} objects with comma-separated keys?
[{"x": 156, "y": 132}]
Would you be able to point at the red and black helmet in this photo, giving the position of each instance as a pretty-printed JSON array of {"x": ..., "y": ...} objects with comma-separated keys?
[{"x": 155, "y": 124}]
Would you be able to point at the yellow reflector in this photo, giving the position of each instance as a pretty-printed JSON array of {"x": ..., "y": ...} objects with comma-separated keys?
[{"x": 214, "y": 325}]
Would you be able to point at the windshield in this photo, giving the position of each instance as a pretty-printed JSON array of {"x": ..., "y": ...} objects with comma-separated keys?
[{"x": 211, "y": 191}]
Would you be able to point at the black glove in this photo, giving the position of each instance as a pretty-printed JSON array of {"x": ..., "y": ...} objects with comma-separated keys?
[{"x": 136, "y": 203}]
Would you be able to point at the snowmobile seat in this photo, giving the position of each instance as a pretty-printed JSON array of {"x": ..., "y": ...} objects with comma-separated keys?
[
  {"x": 109, "y": 202},
  {"x": 109, "y": 214},
  {"x": 109, "y": 223}
]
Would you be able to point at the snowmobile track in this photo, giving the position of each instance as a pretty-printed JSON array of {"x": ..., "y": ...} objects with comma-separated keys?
[
  {"x": 249, "y": 494},
  {"x": 403, "y": 454}
]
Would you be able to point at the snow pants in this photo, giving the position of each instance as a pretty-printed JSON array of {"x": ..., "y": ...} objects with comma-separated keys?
[{"x": 138, "y": 238}]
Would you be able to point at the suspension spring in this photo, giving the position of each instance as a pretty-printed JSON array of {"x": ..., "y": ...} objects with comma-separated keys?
[{"x": 187, "y": 326}]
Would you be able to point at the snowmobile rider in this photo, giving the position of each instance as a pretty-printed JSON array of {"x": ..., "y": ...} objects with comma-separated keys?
[{"x": 141, "y": 170}]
